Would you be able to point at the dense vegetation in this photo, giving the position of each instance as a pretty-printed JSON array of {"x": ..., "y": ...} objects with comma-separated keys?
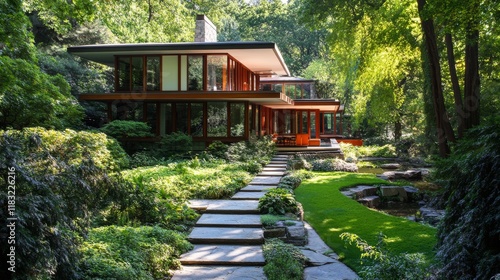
[{"x": 416, "y": 74}]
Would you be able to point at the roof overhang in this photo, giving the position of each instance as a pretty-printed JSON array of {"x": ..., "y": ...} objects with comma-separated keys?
[{"x": 260, "y": 57}]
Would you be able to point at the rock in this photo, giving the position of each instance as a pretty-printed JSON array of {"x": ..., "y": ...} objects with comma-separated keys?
[
  {"x": 389, "y": 190},
  {"x": 413, "y": 175},
  {"x": 316, "y": 259},
  {"x": 390, "y": 166},
  {"x": 370, "y": 201},
  {"x": 296, "y": 234},
  {"x": 431, "y": 215},
  {"x": 398, "y": 175},
  {"x": 333, "y": 271},
  {"x": 412, "y": 193},
  {"x": 275, "y": 232}
]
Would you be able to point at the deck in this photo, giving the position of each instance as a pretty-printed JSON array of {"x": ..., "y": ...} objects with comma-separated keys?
[{"x": 331, "y": 146}]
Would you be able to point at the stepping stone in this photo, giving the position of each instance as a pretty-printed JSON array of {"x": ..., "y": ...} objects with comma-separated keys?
[
  {"x": 257, "y": 188},
  {"x": 226, "y": 236},
  {"x": 191, "y": 272},
  {"x": 272, "y": 173},
  {"x": 281, "y": 165},
  {"x": 201, "y": 204},
  {"x": 265, "y": 180},
  {"x": 274, "y": 169},
  {"x": 227, "y": 220},
  {"x": 248, "y": 195},
  {"x": 233, "y": 207},
  {"x": 224, "y": 255}
]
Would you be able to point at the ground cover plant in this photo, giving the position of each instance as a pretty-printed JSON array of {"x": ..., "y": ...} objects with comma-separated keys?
[
  {"x": 331, "y": 214},
  {"x": 283, "y": 261}
]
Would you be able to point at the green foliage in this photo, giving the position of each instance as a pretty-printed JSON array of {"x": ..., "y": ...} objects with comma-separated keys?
[
  {"x": 29, "y": 97},
  {"x": 61, "y": 182},
  {"x": 15, "y": 33},
  {"x": 278, "y": 202},
  {"x": 382, "y": 264},
  {"x": 131, "y": 253},
  {"x": 252, "y": 166},
  {"x": 270, "y": 220},
  {"x": 259, "y": 149},
  {"x": 283, "y": 261},
  {"x": 217, "y": 149},
  {"x": 468, "y": 236},
  {"x": 331, "y": 213},
  {"x": 355, "y": 152},
  {"x": 123, "y": 129},
  {"x": 333, "y": 164}
]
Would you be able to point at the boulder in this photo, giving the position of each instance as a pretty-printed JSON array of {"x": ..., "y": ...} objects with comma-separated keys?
[
  {"x": 370, "y": 201},
  {"x": 390, "y": 166}
]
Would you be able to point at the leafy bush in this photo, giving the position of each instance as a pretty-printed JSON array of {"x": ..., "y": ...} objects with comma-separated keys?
[
  {"x": 257, "y": 149},
  {"x": 131, "y": 253},
  {"x": 383, "y": 265},
  {"x": 61, "y": 181},
  {"x": 468, "y": 235},
  {"x": 278, "y": 202},
  {"x": 290, "y": 182},
  {"x": 143, "y": 158},
  {"x": 355, "y": 152},
  {"x": 333, "y": 164},
  {"x": 124, "y": 129},
  {"x": 217, "y": 149},
  {"x": 283, "y": 261}
]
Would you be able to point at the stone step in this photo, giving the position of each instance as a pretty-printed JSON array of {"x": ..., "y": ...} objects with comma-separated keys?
[
  {"x": 224, "y": 255},
  {"x": 248, "y": 195},
  {"x": 265, "y": 180},
  {"x": 226, "y": 236},
  {"x": 257, "y": 188},
  {"x": 228, "y": 220},
  {"x": 277, "y": 161},
  {"x": 233, "y": 207},
  {"x": 195, "y": 272},
  {"x": 272, "y": 173},
  {"x": 274, "y": 169}
]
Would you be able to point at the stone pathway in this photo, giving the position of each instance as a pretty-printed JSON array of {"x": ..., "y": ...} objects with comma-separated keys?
[{"x": 228, "y": 237}]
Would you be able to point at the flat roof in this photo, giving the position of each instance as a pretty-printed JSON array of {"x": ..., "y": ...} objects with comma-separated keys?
[{"x": 260, "y": 57}]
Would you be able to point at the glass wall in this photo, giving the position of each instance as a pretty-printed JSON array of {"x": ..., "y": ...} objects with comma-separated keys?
[
  {"x": 181, "y": 117},
  {"x": 237, "y": 111},
  {"x": 217, "y": 119},
  {"x": 137, "y": 74},
  {"x": 196, "y": 112},
  {"x": 153, "y": 73},
  {"x": 217, "y": 72},
  {"x": 170, "y": 73},
  {"x": 195, "y": 72}
]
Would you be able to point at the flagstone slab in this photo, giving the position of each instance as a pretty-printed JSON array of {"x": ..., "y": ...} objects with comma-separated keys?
[
  {"x": 265, "y": 180},
  {"x": 224, "y": 255},
  {"x": 272, "y": 173},
  {"x": 281, "y": 165},
  {"x": 191, "y": 272},
  {"x": 233, "y": 207},
  {"x": 274, "y": 169},
  {"x": 226, "y": 236},
  {"x": 248, "y": 195},
  {"x": 228, "y": 220},
  {"x": 202, "y": 204},
  {"x": 257, "y": 188}
]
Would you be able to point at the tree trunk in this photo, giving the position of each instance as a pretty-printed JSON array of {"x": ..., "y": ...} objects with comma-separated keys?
[
  {"x": 472, "y": 81},
  {"x": 457, "y": 93},
  {"x": 444, "y": 129}
]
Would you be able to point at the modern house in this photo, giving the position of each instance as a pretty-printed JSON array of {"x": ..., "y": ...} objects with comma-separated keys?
[{"x": 213, "y": 90}]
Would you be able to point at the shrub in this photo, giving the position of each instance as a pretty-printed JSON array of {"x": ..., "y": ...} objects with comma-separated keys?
[
  {"x": 131, "y": 253},
  {"x": 468, "y": 235},
  {"x": 283, "y": 261},
  {"x": 251, "y": 166},
  {"x": 278, "y": 202},
  {"x": 333, "y": 164},
  {"x": 61, "y": 181},
  {"x": 257, "y": 149},
  {"x": 355, "y": 152},
  {"x": 290, "y": 182},
  {"x": 382, "y": 264},
  {"x": 126, "y": 129},
  {"x": 217, "y": 149}
]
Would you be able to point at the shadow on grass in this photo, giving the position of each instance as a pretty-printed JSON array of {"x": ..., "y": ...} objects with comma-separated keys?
[{"x": 331, "y": 213}]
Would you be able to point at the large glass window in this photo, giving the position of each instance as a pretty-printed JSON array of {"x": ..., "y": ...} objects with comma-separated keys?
[
  {"x": 237, "y": 119},
  {"x": 195, "y": 72},
  {"x": 153, "y": 73},
  {"x": 137, "y": 74},
  {"x": 123, "y": 74},
  {"x": 217, "y": 119},
  {"x": 181, "y": 117},
  {"x": 217, "y": 72},
  {"x": 196, "y": 119},
  {"x": 170, "y": 73}
]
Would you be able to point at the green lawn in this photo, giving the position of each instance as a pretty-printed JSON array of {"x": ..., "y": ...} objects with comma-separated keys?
[{"x": 331, "y": 213}]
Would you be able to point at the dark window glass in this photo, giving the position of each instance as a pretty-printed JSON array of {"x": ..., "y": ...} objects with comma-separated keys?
[
  {"x": 195, "y": 72},
  {"x": 217, "y": 119},
  {"x": 237, "y": 119},
  {"x": 153, "y": 73},
  {"x": 181, "y": 117},
  {"x": 196, "y": 119}
]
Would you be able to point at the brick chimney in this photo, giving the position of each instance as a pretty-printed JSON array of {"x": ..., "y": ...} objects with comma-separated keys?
[{"x": 205, "y": 30}]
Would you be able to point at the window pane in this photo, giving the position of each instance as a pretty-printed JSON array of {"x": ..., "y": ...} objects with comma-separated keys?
[
  {"x": 304, "y": 122},
  {"x": 313, "y": 124},
  {"x": 153, "y": 73},
  {"x": 170, "y": 73},
  {"x": 217, "y": 72},
  {"x": 217, "y": 119},
  {"x": 237, "y": 119},
  {"x": 195, "y": 72},
  {"x": 151, "y": 116},
  {"x": 137, "y": 74},
  {"x": 166, "y": 120},
  {"x": 197, "y": 119},
  {"x": 124, "y": 73},
  {"x": 181, "y": 117}
]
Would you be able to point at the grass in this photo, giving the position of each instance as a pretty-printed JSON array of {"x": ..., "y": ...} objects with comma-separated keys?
[{"x": 331, "y": 213}]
